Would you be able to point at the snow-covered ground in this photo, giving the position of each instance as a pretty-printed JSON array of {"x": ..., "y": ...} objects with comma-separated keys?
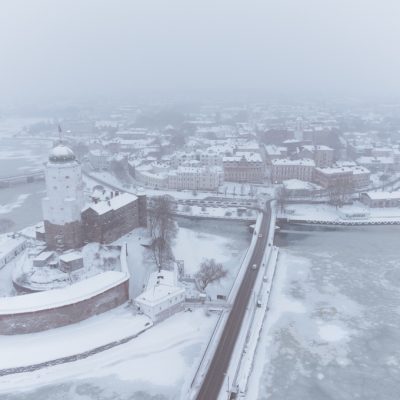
[
  {"x": 158, "y": 364},
  {"x": 332, "y": 328},
  {"x": 34, "y": 348},
  {"x": 96, "y": 260},
  {"x": 139, "y": 259},
  {"x": 226, "y": 242}
]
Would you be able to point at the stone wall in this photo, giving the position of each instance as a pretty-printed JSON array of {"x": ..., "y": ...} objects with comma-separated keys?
[
  {"x": 68, "y": 236},
  {"x": 13, "y": 324}
]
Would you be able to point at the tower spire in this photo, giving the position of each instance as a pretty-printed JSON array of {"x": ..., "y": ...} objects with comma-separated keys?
[{"x": 60, "y": 134}]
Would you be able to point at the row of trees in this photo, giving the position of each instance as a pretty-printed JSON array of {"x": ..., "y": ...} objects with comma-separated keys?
[
  {"x": 340, "y": 192},
  {"x": 163, "y": 230}
]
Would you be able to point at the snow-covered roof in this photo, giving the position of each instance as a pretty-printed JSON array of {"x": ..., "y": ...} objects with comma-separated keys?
[
  {"x": 61, "y": 154},
  {"x": 375, "y": 160},
  {"x": 383, "y": 195},
  {"x": 113, "y": 204},
  {"x": 60, "y": 297},
  {"x": 243, "y": 155},
  {"x": 273, "y": 150},
  {"x": 301, "y": 161},
  {"x": 340, "y": 170},
  {"x": 71, "y": 256},
  {"x": 312, "y": 148},
  {"x": 160, "y": 287},
  {"x": 43, "y": 256}
]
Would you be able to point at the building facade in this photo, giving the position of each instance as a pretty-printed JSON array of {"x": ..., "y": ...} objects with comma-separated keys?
[
  {"x": 195, "y": 178},
  {"x": 108, "y": 220},
  {"x": 352, "y": 177},
  {"x": 322, "y": 155},
  {"x": 284, "y": 169},
  {"x": 244, "y": 167},
  {"x": 381, "y": 199}
]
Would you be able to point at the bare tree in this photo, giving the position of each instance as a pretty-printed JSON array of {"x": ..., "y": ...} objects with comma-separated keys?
[
  {"x": 120, "y": 170},
  {"x": 334, "y": 195},
  {"x": 340, "y": 192},
  {"x": 162, "y": 229},
  {"x": 210, "y": 271}
]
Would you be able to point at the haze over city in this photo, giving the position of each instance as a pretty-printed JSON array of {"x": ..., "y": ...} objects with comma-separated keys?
[{"x": 102, "y": 50}]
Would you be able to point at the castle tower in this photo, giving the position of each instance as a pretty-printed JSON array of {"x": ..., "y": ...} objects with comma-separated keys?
[{"x": 63, "y": 204}]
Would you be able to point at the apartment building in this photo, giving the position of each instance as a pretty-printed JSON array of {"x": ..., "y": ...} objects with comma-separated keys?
[
  {"x": 284, "y": 169},
  {"x": 243, "y": 167}
]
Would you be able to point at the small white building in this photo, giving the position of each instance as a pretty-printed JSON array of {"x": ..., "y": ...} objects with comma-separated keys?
[
  {"x": 381, "y": 199},
  {"x": 162, "y": 297}
]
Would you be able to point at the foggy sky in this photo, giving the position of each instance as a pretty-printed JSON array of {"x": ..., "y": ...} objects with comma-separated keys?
[{"x": 88, "y": 49}]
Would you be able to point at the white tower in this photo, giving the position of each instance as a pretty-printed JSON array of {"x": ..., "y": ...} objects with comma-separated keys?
[{"x": 63, "y": 204}]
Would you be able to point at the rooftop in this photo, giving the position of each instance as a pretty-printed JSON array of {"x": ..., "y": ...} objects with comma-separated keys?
[
  {"x": 61, "y": 154},
  {"x": 115, "y": 203},
  {"x": 286, "y": 161}
]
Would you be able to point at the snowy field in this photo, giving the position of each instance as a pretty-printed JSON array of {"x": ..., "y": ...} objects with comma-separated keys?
[
  {"x": 158, "y": 364},
  {"x": 225, "y": 241},
  {"x": 34, "y": 348},
  {"x": 332, "y": 328}
]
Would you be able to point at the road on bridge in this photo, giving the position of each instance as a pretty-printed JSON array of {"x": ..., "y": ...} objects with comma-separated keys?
[{"x": 219, "y": 365}]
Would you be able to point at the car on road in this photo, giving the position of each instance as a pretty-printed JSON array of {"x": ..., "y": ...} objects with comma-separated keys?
[
  {"x": 260, "y": 235},
  {"x": 254, "y": 266}
]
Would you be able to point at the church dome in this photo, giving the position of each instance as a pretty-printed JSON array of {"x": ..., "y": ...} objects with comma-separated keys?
[{"x": 61, "y": 154}]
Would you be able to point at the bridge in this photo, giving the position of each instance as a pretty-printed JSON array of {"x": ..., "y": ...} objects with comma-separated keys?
[
  {"x": 218, "y": 367},
  {"x": 21, "y": 179}
]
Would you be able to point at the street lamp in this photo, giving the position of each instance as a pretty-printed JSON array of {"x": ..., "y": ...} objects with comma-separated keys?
[{"x": 227, "y": 390}]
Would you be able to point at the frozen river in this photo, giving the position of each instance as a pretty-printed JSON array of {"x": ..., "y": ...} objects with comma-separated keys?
[
  {"x": 333, "y": 328},
  {"x": 21, "y": 204}
]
